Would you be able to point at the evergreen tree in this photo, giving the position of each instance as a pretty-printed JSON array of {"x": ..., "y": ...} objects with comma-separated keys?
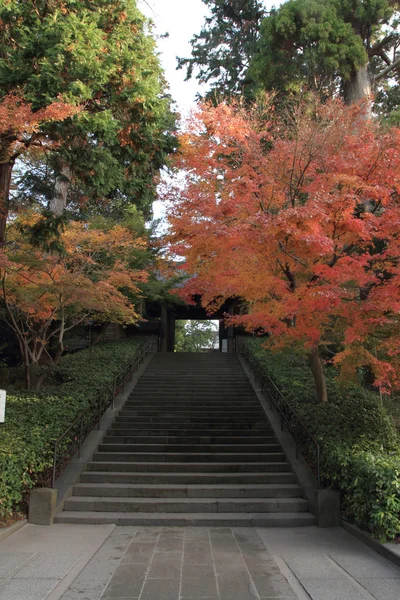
[
  {"x": 100, "y": 56},
  {"x": 336, "y": 46},
  {"x": 222, "y": 51}
]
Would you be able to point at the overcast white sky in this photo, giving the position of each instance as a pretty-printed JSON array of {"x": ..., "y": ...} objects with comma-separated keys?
[{"x": 181, "y": 19}]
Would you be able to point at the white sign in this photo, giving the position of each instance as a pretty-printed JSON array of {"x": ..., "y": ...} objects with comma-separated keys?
[{"x": 2, "y": 405}]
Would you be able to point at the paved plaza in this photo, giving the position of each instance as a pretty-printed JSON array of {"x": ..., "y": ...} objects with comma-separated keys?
[{"x": 104, "y": 562}]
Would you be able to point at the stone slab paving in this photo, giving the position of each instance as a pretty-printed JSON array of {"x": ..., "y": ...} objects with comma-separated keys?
[
  {"x": 181, "y": 564},
  {"x": 105, "y": 562},
  {"x": 330, "y": 564},
  {"x": 41, "y": 562}
]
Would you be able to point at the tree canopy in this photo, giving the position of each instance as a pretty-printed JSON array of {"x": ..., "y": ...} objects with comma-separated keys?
[
  {"x": 99, "y": 57},
  {"x": 335, "y": 46},
  {"x": 298, "y": 217},
  {"x": 222, "y": 51}
]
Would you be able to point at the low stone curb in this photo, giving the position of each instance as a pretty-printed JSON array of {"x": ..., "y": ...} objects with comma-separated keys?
[
  {"x": 367, "y": 539},
  {"x": 7, "y": 531}
]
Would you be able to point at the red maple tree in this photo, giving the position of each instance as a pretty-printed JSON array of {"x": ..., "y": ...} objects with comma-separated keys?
[
  {"x": 298, "y": 216},
  {"x": 43, "y": 295}
]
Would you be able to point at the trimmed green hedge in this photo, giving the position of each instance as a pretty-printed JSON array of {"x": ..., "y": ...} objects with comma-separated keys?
[
  {"x": 360, "y": 450},
  {"x": 35, "y": 420}
]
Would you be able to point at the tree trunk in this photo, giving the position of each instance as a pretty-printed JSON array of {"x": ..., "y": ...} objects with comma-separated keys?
[
  {"x": 318, "y": 374},
  {"x": 59, "y": 201},
  {"x": 5, "y": 181},
  {"x": 358, "y": 87}
]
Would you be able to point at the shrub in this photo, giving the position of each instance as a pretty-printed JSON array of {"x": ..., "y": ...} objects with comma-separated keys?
[
  {"x": 35, "y": 420},
  {"x": 360, "y": 452}
]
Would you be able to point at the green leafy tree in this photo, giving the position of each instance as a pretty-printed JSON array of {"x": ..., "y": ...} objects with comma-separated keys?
[
  {"x": 195, "y": 336},
  {"x": 344, "y": 46},
  {"x": 222, "y": 51},
  {"x": 98, "y": 55}
]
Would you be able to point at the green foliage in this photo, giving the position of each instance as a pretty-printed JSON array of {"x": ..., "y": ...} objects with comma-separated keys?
[
  {"x": 307, "y": 44},
  {"x": 100, "y": 55},
  {"x": 359, "y": 444},
  {"x": 222, "y": 51},
  {"x": 195, "y": 336},
  {"x": 35, "y": 421}
]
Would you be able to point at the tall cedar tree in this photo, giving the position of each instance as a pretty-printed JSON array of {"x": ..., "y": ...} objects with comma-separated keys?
[
  {"x": 330, "y": 46},
  {"x": 99, "y": 56},
  {"x": 274, "y": 212},
  {"x": 222, "y": 51}
]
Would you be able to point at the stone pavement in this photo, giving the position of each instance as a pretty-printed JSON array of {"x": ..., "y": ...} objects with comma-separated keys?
[
  {"x": 181, "y": 564},
  {"x": 330, "y": 564},
  {"x": 104, "y": 562}
]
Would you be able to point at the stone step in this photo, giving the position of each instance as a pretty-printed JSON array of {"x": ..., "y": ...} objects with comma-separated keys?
[
  {"x": 188, "y": 478},
  {"x": 107, "y": 446},
  {"x": 191, "y": 446},
  {"x": 205, "y": 421},
  {"x": 208, "y": 414},
  {"x": 185, "y": 505},
  {"x": 179, "y": 441},
  {"x": 123, "y": 490},
  {"x": 187, "y": 457},
  {"x": 191, "y": 467},
  {"x": 196, "y": 387},
  {"x": 188, "y": 519},
  {"x": 198, "y": 428},
  {"x": 224, "y": 396},
  {"x": 196, "y": 403}
]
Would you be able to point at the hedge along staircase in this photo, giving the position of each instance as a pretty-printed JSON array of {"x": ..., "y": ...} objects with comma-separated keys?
[{"x": 192, "y": 445}]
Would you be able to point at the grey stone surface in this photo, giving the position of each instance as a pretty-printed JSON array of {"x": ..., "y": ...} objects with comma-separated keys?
[
  {"x": 42, "y": 506},
  {"x": 199, "y": 580},
  {"x": 333, "y": 589},
  {"x": 139, "y": 553},
  {"x": 330, "y": 564},
  {"x": 162, "y": 589},
  {"x": 314, "y": 566},
  {"x": 44, "y": 566},
  {"x": 166, "y": 565},
  {"x": 10, "y": 561},
  {"x": 360, "y": 566},
  {"x": 328, "y": 502},
  {"x": 197, "y": 553},
  {"x": 142, "y": 563},
  {"x": 21, "y": 589},
  {"x": 382, "y": 589},
  {"x": 126, "y": 582}
]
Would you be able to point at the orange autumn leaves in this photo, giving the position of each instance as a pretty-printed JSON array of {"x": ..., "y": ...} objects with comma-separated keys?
[
  {"x": 46, "y": 294},
  {"x": 19, "y": 123},
  {"x": 299, "y": 216}
]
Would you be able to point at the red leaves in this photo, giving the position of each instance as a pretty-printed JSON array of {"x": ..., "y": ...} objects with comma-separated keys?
[
  {"x": 18, "y": 122},
  {"x": 300, "y": 218}
]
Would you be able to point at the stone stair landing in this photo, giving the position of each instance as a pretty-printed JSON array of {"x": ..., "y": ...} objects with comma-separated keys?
[{"x": 191, "y": 446}]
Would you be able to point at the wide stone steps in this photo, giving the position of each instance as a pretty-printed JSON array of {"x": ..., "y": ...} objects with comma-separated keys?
[
  {"x": 196, "y": 457},
  {"x": 191, "y": 446},
  {"x": 269, "y": 490},
  {"x": 182, "y": 467},
  {"x": 189, "y": 478},
  {"x": 178, "y": 441},
  {"x": 198, "y": 428},
  {"x": 204, "y": 505},
  {"x": 147, "y": 519}
]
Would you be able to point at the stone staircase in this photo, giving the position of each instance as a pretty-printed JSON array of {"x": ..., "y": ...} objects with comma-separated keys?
[{"x": 191, "y": 446}]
